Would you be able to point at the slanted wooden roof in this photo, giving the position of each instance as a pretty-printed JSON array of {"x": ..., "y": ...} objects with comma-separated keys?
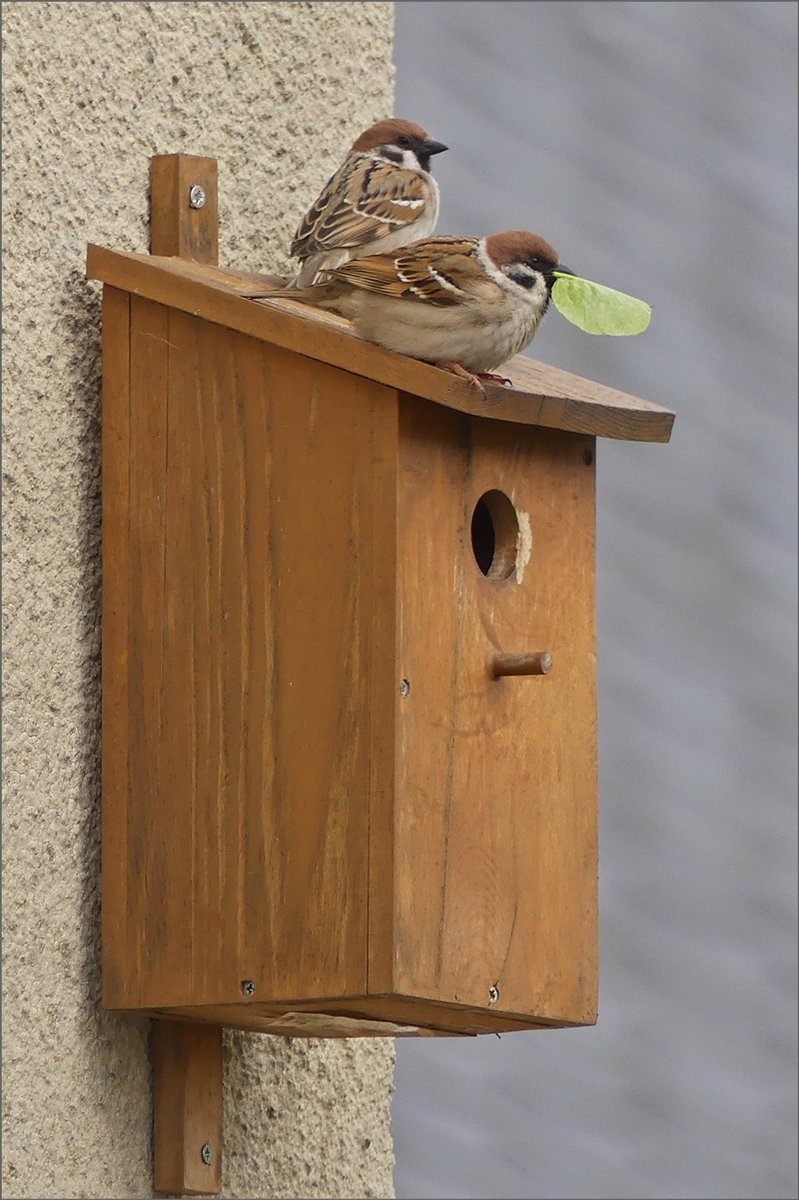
[{"x": 539, "y": 395}]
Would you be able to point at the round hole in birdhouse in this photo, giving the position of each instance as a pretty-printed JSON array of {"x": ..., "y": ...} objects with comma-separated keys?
[{"x": 495, "y": 535}]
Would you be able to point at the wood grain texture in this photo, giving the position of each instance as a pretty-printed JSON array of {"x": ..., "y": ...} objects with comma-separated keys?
[
  {"x": 255, "y": 550},
  {"x": 495, "y": 805},
  {"x": 317, "y": 797},
  {"x": 175, "y": 227},
  {"x": 187, "y": 1108},
  {"x": 428, "y": 1016},
  {"x": 155, "y": 923},
  {"x": 116, "y": 591},
  {"x": 541, "y": 395}
]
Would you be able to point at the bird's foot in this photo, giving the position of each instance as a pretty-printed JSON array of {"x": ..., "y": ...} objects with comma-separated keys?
[
  {"x": 455, "y": 368},
  {"x": 475, "y": 378}
]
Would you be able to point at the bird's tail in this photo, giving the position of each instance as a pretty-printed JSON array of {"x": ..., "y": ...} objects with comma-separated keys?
[{"x": 310, "y": 295}]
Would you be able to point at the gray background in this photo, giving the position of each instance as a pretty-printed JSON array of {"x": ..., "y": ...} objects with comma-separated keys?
[{"x": 654, "y": 145}]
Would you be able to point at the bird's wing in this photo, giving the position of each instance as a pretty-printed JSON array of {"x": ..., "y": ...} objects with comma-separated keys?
[
  {"x": 366, "y": 199},
  {"x": 440, "y": 271}
]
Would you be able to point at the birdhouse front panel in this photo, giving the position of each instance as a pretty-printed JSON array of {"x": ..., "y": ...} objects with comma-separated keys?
[{"x": 495, "y": 794}]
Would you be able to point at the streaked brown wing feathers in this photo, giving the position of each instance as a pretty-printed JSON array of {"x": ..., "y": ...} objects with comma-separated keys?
[
  {"x": 441, "y": 271},
  {"x": 359, "y": 204}
]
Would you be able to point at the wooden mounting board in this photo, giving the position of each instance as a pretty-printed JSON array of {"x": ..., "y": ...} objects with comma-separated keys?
[{"x": 187, "y": 1103}]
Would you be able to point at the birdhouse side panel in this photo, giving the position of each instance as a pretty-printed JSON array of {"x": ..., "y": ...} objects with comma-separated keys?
[
  {"x": 116, "y": 941},
  {"x": 236, "y": 861},
  {"x": 495, "y": 809}
]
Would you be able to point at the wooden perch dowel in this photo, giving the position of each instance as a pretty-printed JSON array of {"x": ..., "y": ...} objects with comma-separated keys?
[{"x": 537, "y": 663}]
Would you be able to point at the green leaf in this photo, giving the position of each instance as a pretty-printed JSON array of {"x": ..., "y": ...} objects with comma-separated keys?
[{"x": 598, "y": 309}]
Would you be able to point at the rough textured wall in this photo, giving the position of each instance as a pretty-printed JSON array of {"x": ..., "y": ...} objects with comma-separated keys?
[{"x": 91, "y": 90}]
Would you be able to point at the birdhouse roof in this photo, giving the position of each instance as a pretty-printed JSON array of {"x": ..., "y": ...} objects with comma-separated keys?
[{"x": 539, "y": 394}]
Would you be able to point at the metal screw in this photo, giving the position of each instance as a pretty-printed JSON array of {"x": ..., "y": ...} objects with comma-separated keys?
[
  {"x": 405, "y": 687},
  {"x": 493, "y": 994},
  {"x": 248, "y": 987},
  {"x": 197, "y": 196},
  {"x": 207, "y": 1153}
]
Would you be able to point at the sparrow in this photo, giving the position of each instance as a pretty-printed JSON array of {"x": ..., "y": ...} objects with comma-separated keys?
[
  {"x": 463, "y": 304},
  {"x": 381, "y": 197}
]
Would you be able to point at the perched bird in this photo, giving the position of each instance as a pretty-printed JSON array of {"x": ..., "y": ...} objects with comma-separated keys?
[
  {"x": 464, "y": 304},
  {"x": 381, "y": 197}
]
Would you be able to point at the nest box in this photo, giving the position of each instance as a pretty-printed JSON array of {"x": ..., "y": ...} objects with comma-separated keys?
[{"x": 349, "y": 722}]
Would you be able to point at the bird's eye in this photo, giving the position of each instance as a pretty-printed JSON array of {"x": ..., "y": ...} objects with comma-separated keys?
[{"x": 403, "y": 141}]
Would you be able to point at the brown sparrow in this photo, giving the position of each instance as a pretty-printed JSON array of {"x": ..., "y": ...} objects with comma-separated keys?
[
  {"x": 381, "y": 197},
  {"x": 464, "y": 304}
]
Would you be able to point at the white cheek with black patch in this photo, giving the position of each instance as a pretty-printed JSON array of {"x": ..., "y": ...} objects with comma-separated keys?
[
  {"x": 403, "y": 158},
  {"x": 526, "y": 282},
  {"x": 517, "y": 280}
]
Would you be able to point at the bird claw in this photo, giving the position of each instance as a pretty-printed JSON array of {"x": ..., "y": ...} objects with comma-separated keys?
[{"x": 501, "y": 379}]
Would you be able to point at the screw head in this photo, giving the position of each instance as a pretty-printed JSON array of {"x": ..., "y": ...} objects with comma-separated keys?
[
  {"x": 493, "y": 994},
  {"x": 248, "y": 987},
  {"x": 197, "y": 196},
  {"x": 207, "y": 1153},
  {"x": 405, "y": 687}
]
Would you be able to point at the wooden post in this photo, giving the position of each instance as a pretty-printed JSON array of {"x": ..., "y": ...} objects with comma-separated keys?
[
  {"x": 187, "y": 1059},
  {"x": 184, "y": 213},
  {"x": 187, "y": 1095}
]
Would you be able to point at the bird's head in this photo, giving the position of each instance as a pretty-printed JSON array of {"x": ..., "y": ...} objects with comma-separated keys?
[
  {"x": 525, "y": 259},
  {"x": 401, "y": 142}
]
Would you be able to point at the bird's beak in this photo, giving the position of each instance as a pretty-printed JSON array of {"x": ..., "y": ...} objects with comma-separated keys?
[
  {"x": 561, "y": 270},
  {"x": 431, "y": 147}
]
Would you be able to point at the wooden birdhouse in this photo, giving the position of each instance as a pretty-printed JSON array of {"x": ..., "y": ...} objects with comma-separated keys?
[{"x": 349, "y": 722}]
